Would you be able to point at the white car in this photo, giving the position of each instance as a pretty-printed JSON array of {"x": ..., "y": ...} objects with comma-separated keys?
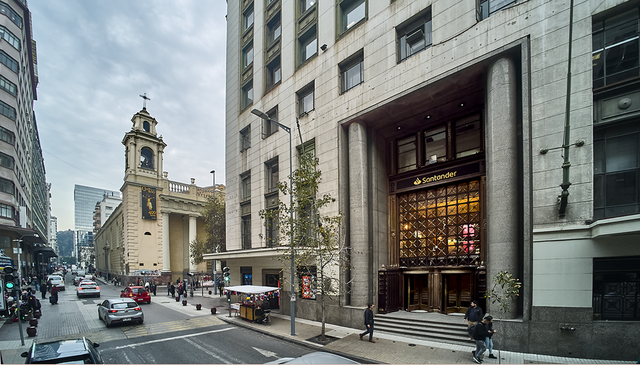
[
  {"x": 88, "y": 288},
  {"x": 57, "y": 280}
]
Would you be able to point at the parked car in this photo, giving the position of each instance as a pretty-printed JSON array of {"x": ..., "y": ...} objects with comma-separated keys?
[
  {"x": 88, "y": 288},
  {"x": 137, "y": 293},
  {"x": 120, "y": 310},
  {"x": 315, "y": 358},
  {"x": 57, "y": 280},
  {"x": 78, "y": 351}
]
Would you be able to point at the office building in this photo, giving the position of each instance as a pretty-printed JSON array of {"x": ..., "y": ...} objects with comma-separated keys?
[
  {"x": 456, "y": 149},
  {"x": 85, "y": 199}
]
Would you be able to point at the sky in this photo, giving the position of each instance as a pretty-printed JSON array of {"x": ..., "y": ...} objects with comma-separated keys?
[{"x": 96, "y": 57}]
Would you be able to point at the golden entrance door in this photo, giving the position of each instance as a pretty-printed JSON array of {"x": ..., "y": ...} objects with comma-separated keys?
[
  {"x": 418, "y": 292},
  {"x": 457, "y": 292}
]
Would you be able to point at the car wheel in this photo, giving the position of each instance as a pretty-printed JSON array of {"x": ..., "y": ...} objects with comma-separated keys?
[
  {"x": 141, "y": 321},
  {"x": 106, "y": 323}
]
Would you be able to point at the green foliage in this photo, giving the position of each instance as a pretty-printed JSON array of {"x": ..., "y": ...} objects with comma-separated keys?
[
  {"x": 505, "y": 289},
  {"x": 215, "y": 229}
]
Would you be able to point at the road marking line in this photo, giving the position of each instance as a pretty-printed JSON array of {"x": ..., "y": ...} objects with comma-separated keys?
[{"x": 171, "y": 338}]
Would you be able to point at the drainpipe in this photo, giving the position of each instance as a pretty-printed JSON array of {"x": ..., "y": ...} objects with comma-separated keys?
[{"x": 564, "y": 196}]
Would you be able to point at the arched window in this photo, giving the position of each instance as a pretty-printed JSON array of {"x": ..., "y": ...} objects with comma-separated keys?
[
  {"x": 146, "y": 126},
  {"x": 146, "y": 158}
]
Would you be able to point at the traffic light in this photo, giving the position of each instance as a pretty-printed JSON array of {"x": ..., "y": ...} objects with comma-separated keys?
[
  {"x": 8, "y": 278},
  {"x": 225, "y": 273}
]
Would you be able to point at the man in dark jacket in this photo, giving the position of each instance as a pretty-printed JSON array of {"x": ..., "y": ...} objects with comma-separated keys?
[
  {"x": 480, "y": 334},
  {"x": 368, "y": 322},
  {"x": 474, "y": 314}
]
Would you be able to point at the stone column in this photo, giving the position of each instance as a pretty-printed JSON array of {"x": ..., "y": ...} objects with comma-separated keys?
[
  {"x": 503, "y": 205},
  {"x": 166, "y": 247},
  {"x": 192, "y": 236},
  {"x": 359, "y": 216}
]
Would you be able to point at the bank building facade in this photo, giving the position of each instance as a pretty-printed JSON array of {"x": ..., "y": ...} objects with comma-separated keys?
[{"x": 460, "y": 139}]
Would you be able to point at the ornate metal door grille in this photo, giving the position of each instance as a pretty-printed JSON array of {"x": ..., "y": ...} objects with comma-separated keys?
[
  {"x": 616, "y": 288},
  {"x": 440, "y": 226}
]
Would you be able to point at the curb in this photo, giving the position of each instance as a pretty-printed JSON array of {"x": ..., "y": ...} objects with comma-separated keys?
[{"x": 361, "y": 360}]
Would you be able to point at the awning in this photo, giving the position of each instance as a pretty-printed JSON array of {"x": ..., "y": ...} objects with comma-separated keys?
[
  {"x": 251, "y": 289},
  {"x": 45, "y": 251}
]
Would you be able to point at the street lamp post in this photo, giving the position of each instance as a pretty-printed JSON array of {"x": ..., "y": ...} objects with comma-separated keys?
[
  {"x": 293, "y": 293},
  {"x": 215, "y": 286},
  {"x": 18, "y": 250}
]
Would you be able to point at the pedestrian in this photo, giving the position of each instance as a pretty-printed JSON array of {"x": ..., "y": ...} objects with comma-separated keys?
[
  {"x": 54, "y": 295},
  {"x": 474, "y": 314},
  {"x": 220, "y": 288},
  {"x": 153, "y": 288},
  {"x": 181, "y": 292},
  {"x": 172, "y": 289},
  {"x": 488, "y": 342},
  {"x": 480, "y": 333},
  {"x": 368, "y": 322},
  {"x": 43, "y": 289}
]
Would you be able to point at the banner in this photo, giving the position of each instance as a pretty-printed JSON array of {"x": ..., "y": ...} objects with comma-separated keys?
[{"x": 149, "y": 203}]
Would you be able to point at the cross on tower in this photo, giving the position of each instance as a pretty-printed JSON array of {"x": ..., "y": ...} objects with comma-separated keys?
[{"x": 144, "y": 103}]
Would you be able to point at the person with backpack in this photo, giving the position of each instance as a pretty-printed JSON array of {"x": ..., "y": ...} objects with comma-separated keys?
[{"x": 480, "y": 332}]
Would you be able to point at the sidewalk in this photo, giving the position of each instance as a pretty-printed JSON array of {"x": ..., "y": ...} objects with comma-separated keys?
[{"x": 389, "y": 348}]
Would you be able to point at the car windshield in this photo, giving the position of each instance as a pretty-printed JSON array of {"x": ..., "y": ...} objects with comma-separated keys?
[
  {"x": 124, "y": 305},
  {"x": 138, "y": 290}
]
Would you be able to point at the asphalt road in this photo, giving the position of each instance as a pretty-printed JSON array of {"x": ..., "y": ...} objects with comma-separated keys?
[{"x": 170, "y": 336}]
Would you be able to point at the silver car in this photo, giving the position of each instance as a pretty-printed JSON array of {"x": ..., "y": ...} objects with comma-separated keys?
[
  {"x": 88, "y": 288},
  {"x": 120, "y": 310}
]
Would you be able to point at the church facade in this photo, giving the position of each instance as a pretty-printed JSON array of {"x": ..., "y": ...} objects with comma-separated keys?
[{"x": 148, "y": 236}]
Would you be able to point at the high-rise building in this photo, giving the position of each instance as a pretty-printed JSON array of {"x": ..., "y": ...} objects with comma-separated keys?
[
  {"x": 460, "y": 139},
  {"x": 85, "y": 199},
  {"x": 24, "y": 194}
]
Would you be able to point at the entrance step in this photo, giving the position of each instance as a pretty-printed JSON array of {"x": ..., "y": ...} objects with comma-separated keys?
[{"x": 425, "y": 329}]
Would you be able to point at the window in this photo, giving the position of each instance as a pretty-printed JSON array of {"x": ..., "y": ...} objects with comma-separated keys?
[
  {"x": 247, "y": 55},
  {"x": 414, "y": 35},
  {"x": 268, "y": 127},
  {"x": 6, "y": 161},
  {"x": 274, "y": 29},
  {"x": 274, "y": 73},
  {"x": 272, "y": 175},
  {"x": 351, "y": 12},
  {"x": 245, "y": 229},
  {"x": 305, "y": 100},
  {"x": 468, "y": 137},
  {"x": 307, "y": 45},
  {"x": 7, "y": 186},
  {"x": 11, "y": 14},
  {"x": 9, "y": 37},
  {"x": 306, "y": 5},
  {"x": 8, "y": 61},
  {"x": 615, "y": 288},
  {"x": 146, "y": 158},
  {"x": 7, "y": 110},
  {"x": 247, "y": 19},
  {"x": 247, "y": 95},
  {"x": 616, "y": 155},
  {"x": 146, "y": 126},
  {"x": 7, "y": 85},
  {"x": 7, "y": 136},
  {"x": 271, "y": 228},
  {"x": 615, "y": 48},
  {"x": 245, "y": 138},
  {"x": 245, "y": 187},
  {"x": 488, "y": 7},
  {"x": 406, "y": 154},
  {"x": 6, "y": 211},
  {"x": 435, "y": 145},
  {"x": 352, "y": 71}
]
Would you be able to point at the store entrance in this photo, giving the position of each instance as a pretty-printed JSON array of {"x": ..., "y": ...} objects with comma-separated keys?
[
  {"x": 457, "y": 292},
  {"x": 417, "y": 287}
]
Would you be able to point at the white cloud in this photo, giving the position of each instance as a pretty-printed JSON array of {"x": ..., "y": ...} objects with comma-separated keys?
[{"x": 94, "y": 60}]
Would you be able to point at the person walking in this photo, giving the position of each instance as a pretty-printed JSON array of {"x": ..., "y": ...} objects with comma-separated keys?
[
  {"x": 368, "y": 322},
  {"x": 480, "y": 333},
  {"x": 54, "y": 295},
  {"x": 488, "y": 342},
  {"x": 474, "y": 314},
  {"x": 43, "y": 289}
]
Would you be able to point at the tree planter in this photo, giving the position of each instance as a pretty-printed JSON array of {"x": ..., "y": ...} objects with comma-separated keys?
[
  {"x": 209, "y": 292},
  {"x": 177, "y": 299},
  {"x": 37, "y": 314},
  {"x": 33, "y": 322},
  {"x": 31, "y": 331},
  {"x": 198, "y": 306},
  {"x": 213, "y": 311},
  {"x": 184, "y": 302}
]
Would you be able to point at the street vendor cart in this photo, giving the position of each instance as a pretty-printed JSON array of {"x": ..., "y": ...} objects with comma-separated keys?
[{"x": 250, "y": 296}]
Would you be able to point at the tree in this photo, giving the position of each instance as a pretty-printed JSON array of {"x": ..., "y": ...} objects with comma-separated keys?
[
  {"x": 504, "y": 291},
  {"x": 318, "y": 251},
  {"x": 215, "y": 229}
]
